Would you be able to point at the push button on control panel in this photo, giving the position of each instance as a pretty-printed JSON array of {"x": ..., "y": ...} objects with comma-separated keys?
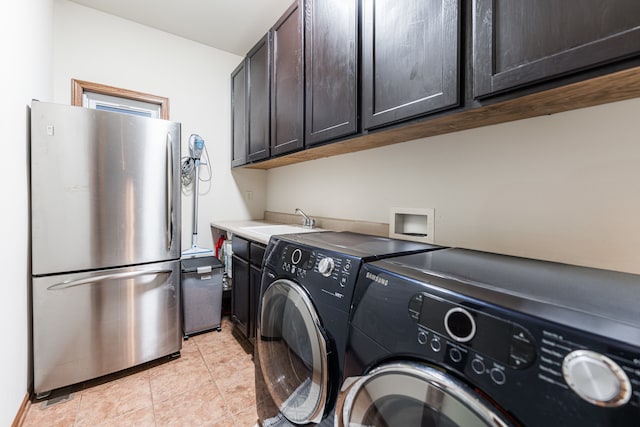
[
  {"x": 522, "y": 350},
  {"x": 478, "y": 366},
  {"x": 498, "y": 376},
  {"x": 343, "y": 281},
  {"x": 435, "y": 344},
  {"x": 415, "y": 307},
  {"x": 455, "y": 355},
  {"x": 422, "y": 337}
]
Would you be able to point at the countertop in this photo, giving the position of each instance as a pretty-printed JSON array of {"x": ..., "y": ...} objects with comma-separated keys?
[{"x": 259, "y": 230}]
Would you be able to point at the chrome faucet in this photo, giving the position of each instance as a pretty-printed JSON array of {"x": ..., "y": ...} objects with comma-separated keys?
[{"x": 308, "y": 222}]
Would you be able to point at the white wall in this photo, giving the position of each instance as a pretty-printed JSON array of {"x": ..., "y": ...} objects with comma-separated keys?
[
  {"x": 97, "y": 47},
  {"x": 564, "y": 187},
  {"x": 25, "y": 45}
]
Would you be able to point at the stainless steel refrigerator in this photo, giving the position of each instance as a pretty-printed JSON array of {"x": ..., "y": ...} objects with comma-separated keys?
[{"x": 105, "y": 230}]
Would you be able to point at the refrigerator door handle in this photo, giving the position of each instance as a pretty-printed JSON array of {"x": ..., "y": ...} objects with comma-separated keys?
[
  {"x": 106, "y": 277},
  {"x": 169, "y": 191}
]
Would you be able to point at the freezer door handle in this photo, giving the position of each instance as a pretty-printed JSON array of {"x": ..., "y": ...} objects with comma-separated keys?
[
  {"x": 107, "y": 277},
  {"x": 169, "y": 191}
]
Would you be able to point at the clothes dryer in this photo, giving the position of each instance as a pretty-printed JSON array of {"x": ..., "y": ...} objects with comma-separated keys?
[
  {"x": 305, "y": 300},
  {"x": 465, "y": 338}
]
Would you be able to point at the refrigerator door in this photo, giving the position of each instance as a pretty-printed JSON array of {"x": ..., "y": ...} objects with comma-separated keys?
[
  {"x": 105, "y": 189},
  {"x": 86, "y": 325}
]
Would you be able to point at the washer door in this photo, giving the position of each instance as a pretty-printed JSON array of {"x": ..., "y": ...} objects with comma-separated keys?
[
  {"x": 414, "y": 395},
  {"x": 292, "y": 350}
]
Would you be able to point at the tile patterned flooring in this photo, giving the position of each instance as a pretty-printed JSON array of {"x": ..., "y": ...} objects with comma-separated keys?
[{"x": 211, "y": 384}]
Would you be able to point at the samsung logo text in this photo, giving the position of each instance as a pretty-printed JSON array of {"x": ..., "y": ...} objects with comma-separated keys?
[{"x": 377, "y": 279}]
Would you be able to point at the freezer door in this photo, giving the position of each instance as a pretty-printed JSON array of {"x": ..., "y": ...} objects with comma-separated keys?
[
  {"x": 86, "y": 325},
  {"x": 105, "y": 189}
]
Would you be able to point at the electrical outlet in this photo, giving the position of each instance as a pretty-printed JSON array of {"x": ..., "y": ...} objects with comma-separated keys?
[{"x": 249, "y": 195}]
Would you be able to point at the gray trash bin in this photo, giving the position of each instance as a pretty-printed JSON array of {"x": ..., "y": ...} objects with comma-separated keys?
[{"x": 201, "y": 284}]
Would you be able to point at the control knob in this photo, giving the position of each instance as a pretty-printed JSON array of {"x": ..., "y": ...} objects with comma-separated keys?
[
  {"x": 325, "y": 266},
  {"x": 596, "y": 378}
]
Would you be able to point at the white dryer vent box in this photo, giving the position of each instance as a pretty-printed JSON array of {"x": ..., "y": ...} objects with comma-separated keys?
[{"x": 413, "y": 224}]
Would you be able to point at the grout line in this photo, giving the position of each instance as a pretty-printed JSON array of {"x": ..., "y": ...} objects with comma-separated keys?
[
  {"x": 74, "y": 401},
  {"x": 227, "y": 408},
  {"x": 153, "y": 403}
]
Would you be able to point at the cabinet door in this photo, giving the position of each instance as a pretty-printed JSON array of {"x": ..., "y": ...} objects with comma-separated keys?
[
  {"x": 287, "y": 88},
  {"x": 410, "y": 52},
  {"x": 240, "y": 247},
  {"x": 240, "y": 294},
  {"x": 331, "y": 69},
  {"x": 254, "y": 279},
  {"x": 257, "y": 254},
  {"x": 519, "y": 42},
  {"x": 258, "y": 75},
  {"x": 238, "y": 116}
]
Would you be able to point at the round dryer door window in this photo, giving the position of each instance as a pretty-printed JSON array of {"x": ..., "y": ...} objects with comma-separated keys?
[
  {"x": 414, "y": 395},
  {"x": 292, "y": 350}
]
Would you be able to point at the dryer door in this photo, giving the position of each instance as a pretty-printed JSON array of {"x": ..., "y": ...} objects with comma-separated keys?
[
  {"x": 409, "y": 394},
  {"x": 292, "y": 350}
]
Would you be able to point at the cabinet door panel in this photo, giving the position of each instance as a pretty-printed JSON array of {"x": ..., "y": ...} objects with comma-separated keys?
[
  {"x": 240, "y": 294},
  {"x": 257, "y": 254},
  {"x": 331, "y": 70},
  {"x": 410, "y": 58},
  {"x": 240, "y": 247},
  {"x": 238, "y": 116},
  {"x": 258, "y": 75},
  {"x": 256, "y": 277},
  {"x": 519, "y": 42},
  {"x": 287, "y": 86}
]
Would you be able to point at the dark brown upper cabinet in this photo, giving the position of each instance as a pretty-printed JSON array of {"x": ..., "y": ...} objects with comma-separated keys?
[
  {"x": 410, "y": 58},
  {"x": 258, "y": 99},
  {"x": 331, "y": 69},
  {"x": 238, "y": 116},
  {"x": 521, "y": 42},
  {"x": 287, "y": 83}
]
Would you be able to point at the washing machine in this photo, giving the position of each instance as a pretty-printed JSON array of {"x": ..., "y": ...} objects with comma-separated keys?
[
  {"x": 305, "y": 300},
  {"x": 464, "y": 338}
]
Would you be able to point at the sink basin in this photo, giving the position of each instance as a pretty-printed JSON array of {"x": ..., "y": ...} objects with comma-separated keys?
[{"x": 270, "y": 230}]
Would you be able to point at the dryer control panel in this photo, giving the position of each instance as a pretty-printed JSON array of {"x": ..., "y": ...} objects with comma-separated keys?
[{"x": 503, "y": 341}]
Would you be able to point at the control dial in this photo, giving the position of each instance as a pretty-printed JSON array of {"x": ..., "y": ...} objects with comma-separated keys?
[
  {"x": 596, "y": 378},
  {"x": 325, "y": 266}
]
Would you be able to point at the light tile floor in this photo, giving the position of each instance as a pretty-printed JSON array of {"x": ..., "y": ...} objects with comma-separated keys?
[{"x": 211, "y": 384}]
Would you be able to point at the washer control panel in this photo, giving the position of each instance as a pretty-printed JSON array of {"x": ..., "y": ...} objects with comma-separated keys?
[
  {"x": 489, "y": 347},
  {"x": 514, "y": 350},
  {"x": 330, "y": 273},
  {"x": 505, "y": 342}
]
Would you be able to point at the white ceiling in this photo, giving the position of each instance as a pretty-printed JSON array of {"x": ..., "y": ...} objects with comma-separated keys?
[{"x": 231, "y": 25}]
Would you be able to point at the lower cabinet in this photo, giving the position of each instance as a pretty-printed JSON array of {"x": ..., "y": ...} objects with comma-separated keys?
[
  {"x": 246, "y": 271},
  {"x": 255, "y": 276},
  {"x": 240, "y": 294}
]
